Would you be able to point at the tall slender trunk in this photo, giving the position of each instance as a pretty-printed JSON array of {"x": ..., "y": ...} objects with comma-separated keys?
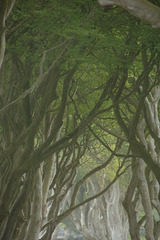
[
  {"x": 5, "y": 9},
  {"x": 36, "y": 212}
]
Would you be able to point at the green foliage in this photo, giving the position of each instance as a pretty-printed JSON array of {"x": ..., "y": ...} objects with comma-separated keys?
[{"x": 98, "y": 155}]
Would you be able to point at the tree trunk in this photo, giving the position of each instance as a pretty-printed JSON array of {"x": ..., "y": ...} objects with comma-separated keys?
[
  {"x": 146, "y": 201},
  {"x": 5, "y": 9},
  {"x": 129, "y": 203},
  {"x": 35, "y": 222}
]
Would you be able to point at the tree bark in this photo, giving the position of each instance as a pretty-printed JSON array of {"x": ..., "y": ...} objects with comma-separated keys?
[
  {"x": 16, "y": 209},
  {"x": 146, "y": 201},
  {"x": 5, "y": 9},
  {"x": 129, "y": 204},
  {"x": 36, "y": 212}
]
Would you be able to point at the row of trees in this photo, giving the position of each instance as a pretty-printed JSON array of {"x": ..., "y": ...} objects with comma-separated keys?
[{"x": 74, "y": 76}]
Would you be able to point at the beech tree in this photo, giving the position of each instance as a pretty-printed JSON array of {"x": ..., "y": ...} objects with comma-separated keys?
[
  {"x": 144, "y": 183},
  {"x": 140, "y": 124},
  {"x": 47, "y": 89}
]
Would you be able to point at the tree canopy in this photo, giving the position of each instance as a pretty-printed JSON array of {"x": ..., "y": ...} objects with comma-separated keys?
[{"x": 79, "y": 96}]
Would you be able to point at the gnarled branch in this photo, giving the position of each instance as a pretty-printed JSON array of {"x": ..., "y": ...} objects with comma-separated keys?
[{"x": 142, "y": 9}]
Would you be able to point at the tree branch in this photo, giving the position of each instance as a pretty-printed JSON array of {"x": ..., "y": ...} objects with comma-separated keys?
[
  {"x": 68, "y": 212},
  {"x": 142, "y": 9}
]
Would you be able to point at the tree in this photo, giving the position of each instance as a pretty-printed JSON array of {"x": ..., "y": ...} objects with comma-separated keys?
[
  {"x": 139, "y": 122},
  {"x": 43, "y": 83},
  {"x": 144, "y": 184},
  {"x": 135, "y": 103}
]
